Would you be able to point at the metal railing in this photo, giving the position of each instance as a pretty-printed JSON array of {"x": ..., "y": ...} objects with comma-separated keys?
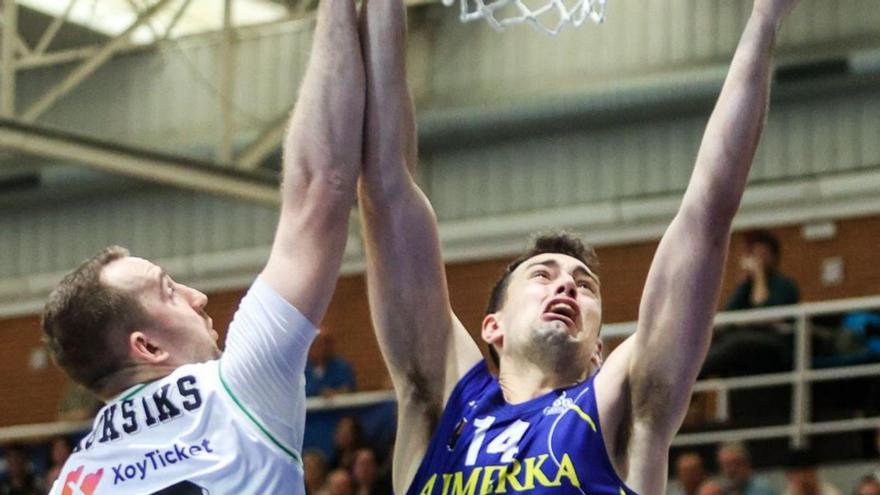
[{"x": 800, "y": 378}]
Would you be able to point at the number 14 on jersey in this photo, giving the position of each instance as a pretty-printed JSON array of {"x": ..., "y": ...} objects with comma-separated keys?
[{"x": 506, "y": 443}]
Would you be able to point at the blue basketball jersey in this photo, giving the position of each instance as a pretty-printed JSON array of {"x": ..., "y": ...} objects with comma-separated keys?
[{"x": 548, "y": 445}]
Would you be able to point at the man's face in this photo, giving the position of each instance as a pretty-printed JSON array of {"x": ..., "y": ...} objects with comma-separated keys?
[
  {"x": 870, "y": 487},
  {"x": 689, "y": 471},
  {"x": 364, "y": 468},
  {"x": 321, "y": 349},
  {"x": 805, "y": 479},
  {"x": 178, "y": 322},
  {"x": 339, "y": 483},
  {"x": 763, "y": 255},
  {"x": 734, "y": 466},
  {"x": 16, "y": 463},
  {"x": 551, "y": 313}
]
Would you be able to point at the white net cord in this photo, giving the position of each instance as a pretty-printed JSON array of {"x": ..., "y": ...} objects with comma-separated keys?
[{"x": 491, "y": 12}]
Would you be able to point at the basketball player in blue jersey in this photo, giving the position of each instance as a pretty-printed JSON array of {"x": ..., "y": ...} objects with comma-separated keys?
[{"x": 555, "y": 419}]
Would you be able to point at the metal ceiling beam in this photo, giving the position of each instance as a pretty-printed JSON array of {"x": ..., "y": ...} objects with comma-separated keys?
[
  {"x": 136, "y": 8},
  {"x": 175, "y": 19},
  {"x": 7, "y": 58},
  {"x": 227, "y": 87},
  {"x": 50, "y": 32},
  {"x": 21, "y": 46},
  {"x": 265, "y": 144},
  {"x": 171, "y": 170},
  {"x": 89, "y": 66}
]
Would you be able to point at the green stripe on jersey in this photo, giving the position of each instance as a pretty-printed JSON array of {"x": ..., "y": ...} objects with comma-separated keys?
[
  {"x": 292, "y": 453},
  {"x": 134, "y": 391}
]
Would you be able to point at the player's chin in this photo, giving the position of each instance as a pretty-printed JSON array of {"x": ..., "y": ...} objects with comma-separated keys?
[{"x": 556, "y": 333}]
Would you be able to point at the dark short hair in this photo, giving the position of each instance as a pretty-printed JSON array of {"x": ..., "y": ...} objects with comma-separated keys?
[
  {"x": 800, "y": 458},
  {"x": 765, "y": 238},
  {"x": 561, "y": 242},
  {"x": 86, "y": 323}
]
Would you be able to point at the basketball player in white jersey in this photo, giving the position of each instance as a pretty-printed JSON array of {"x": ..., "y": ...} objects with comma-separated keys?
[
  {"x": 552, "y": 421},
  {"x": 182, "y": 418}
]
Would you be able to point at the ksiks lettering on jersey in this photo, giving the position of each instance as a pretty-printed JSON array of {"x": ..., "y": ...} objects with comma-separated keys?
[
  {"x": 128, "y": 417},
  {"x": 526, "y": 476}
]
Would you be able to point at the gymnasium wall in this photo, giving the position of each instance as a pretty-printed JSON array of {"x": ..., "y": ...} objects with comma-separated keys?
[{"x": 623, "y": 272}]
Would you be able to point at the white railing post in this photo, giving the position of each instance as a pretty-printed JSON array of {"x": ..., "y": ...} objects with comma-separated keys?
[
  {"x": 722, "y": 411},
  {"x": 800, "y": 396}
]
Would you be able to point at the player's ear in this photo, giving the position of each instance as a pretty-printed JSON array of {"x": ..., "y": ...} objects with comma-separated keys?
[
  {"x": 143, "y": 349},
  {"x": 491, "y": 331}
]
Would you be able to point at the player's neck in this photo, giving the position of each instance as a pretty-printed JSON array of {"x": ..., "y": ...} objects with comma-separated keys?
[
  {"x": 524, "y": 381},
  {"x": 126, "y": 378}
]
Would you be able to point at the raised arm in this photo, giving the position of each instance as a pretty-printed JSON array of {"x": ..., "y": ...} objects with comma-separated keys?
[
  {"x": 661, "y": 362},
  {"x": 322, "y": 159},
  {"x": 424, "y": 345}
]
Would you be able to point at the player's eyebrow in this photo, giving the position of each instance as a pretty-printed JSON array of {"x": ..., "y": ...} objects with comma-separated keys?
[
  {"x": 579, "y": 271},
  {"x": 547, "y": 263}
]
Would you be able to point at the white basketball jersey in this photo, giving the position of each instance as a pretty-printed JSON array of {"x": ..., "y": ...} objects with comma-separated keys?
[{"x": 230, "y": 426}]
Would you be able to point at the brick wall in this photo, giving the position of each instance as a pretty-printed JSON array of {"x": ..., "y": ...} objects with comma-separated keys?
[{"x": 623, "y": 272}]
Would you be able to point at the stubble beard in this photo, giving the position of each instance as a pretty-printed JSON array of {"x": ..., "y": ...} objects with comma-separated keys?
[{"x": 557, "y": 352}]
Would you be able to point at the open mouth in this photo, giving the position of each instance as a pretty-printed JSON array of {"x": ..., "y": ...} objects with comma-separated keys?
[{"x": 562, "y": 309}]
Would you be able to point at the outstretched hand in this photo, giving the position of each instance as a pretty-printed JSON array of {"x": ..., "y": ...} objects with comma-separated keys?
[{"x": 775, "y": 9}]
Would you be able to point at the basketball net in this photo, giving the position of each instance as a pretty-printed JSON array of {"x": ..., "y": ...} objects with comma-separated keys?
[{"x": 501, "y": 14}]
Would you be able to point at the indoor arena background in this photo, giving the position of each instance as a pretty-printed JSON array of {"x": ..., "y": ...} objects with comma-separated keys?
[{"x": 121, "y": 131}]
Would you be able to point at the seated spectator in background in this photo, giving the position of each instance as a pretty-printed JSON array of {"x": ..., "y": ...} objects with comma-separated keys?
[
  {"x": 327, "y": 374},
  {"x": 347, "y": 440},
  {"x": 710, "y": 488},
  {"x": 802, "y": 475},
  {"x": 869, "y": 485},
  {"x": 315, "y": 471},
  {"x": 339, "y": 482},
  {"x": 20, "y": 480},
  {"x": 689, "y": 474},
  {"x": 737, "y": 477},
  {"x": 764, "y": 285},
  {"x": 60, "y": 449},
  {"x": 755, "y": 348},
  {"x": 877, "y": 451},
  {"x": 367, "y": 478}
]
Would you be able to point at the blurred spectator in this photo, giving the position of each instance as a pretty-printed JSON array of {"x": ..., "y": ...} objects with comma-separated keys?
[
  {"x": 710, "y": 488},
  {"x": 763, "y": 285},
  {"x": 315, "y": 469},
  {"x": 77, "y": 403},
  {"x": 735, "y": 464},
  {"x": 326, "y": 373},
  {"x": 339, "y": 482},
  {"x": 689, "y": 474},
  {"x": 347, "y": 439},
  {"x": 869, "y": 485},
  {"x": 59, "y": 450},
  {"x": 19, "y": 478},
  {"x": 802, "y": 475},
  {"x": 877, "y": 451},
  {"x": 755, "y": 348},
  {"x": 365, "y": 472}
]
